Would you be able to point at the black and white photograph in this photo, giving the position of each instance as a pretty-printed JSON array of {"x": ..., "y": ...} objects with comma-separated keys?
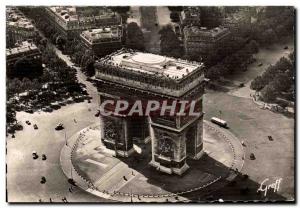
[{"x": 150, "y": 104}]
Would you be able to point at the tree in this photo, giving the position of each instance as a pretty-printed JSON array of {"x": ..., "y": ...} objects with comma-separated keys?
[
  {"x": 169, "y": 42},
  {"x": 257, "y": 84},
  {"x": 210, "y": 17},
  {"x": 268, "y": 37},
  {"x": 46, "y": 77},
  {"x": 26, "y": 84},
  {"x": 60, "y": 42},
  {"x": 271, "y": 26},
  {"x": 174, "y": 16},
  {"x": 135, "y": 38},
  {"x": 269, "y": 93},
  {"x": 90, "y": 69},
  {"x": 214, "y": 72},
  {"x": 122, "y": 11},
  {"x": 283, "y": 65},
  {"x": 253, "y": 46},
  {"x": 282, "y": 82},
  {"x": 13, "y": 86},
  {"x": 175, "y": 8}
]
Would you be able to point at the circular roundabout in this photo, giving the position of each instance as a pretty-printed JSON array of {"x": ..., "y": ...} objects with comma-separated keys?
[{"x": 95, "y": 169}]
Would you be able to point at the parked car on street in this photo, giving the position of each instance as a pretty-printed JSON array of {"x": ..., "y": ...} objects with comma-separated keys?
[
  {"x": 34, "y": 155},
  {"x": 97, "y": 114},
  {"x": 55, "y": 107},
  {"x": 47, "y": 109},
  {"x": 59, "y": 127},
  {"x": 43, "y": 179},
  {"x": 29, "y": 111}
]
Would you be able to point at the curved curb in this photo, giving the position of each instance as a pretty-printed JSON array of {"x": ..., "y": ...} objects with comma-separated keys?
[{"x": 71, "y": 172}]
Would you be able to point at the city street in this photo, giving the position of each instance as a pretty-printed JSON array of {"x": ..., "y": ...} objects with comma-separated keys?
[
  {"x": 248, "y": 125},
  {"x": 93, "y": 162},
  {"x": 266, "y": 56},
  {"x": 24, "y": 173},
  {"x": 253, "y": 125}
]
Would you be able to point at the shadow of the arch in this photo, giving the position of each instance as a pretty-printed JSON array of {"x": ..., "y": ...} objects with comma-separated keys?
[{"x": 241, "y": 188}]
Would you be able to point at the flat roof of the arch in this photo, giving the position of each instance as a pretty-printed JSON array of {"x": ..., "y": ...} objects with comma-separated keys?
[{"x": 154, "y": 64}]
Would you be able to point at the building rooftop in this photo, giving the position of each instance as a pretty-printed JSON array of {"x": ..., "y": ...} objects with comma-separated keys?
[
  {"x": 101, "y": 34},
  {"x": 150, "y": 72},
  {"x": 15, "y": 18},
  {"x": 70, "y": 13},
  {"x": 203, "y": 31},
  {"x": 154, "y": 64},
  {"x": 67, "y": 13},
  {"x": 242, "y": 15},
  {"x": 21, "y": 48},
  {"x": 191, "y": 12}
]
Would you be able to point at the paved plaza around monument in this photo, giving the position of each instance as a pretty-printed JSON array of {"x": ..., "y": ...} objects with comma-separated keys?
[{"x": 97, "y": 170}]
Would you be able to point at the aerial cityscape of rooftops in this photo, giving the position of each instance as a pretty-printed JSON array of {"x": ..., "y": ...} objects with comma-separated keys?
[{"x": 150, "y": 104}]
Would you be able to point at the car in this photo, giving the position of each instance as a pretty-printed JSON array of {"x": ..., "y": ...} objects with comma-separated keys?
[
  {"x": 17, "y": 127},
  {"x": 47, "y": 109},
  {"x": 28, "y": 122},
  {"x": 34, "y": 155},
  {"x": 29, "y": 111},
  {"x": 55, "y": 107},
  {"x": 97, "y": 114},
  {"x": 59, "y": 127},
  {"x": 286, "y": 47},
  {"x": 252, "y": 156},
  {"x": 43, "y": 180},
  {"x": 241, "y": 85},
  {"x": 260, "y": 64},
  {"x": 62, "y": 103},
  {"x": 35, "y": 126}
]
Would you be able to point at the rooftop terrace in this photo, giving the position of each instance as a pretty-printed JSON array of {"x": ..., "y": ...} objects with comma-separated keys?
[
  {"x": 150, "y": 72},
  {"x": 154, "y": 64}
]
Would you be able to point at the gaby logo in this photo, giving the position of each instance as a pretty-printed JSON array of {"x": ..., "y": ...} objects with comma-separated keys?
[{"x": 149, "y": 108}]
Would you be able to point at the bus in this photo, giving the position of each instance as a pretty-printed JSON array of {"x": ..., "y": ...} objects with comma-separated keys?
[{"x": 218, "y": 121}]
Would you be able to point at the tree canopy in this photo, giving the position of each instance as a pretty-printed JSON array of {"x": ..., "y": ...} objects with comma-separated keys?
[
  {"x": 170, "y": 45},
  {"x": 135, "y": 37}
]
